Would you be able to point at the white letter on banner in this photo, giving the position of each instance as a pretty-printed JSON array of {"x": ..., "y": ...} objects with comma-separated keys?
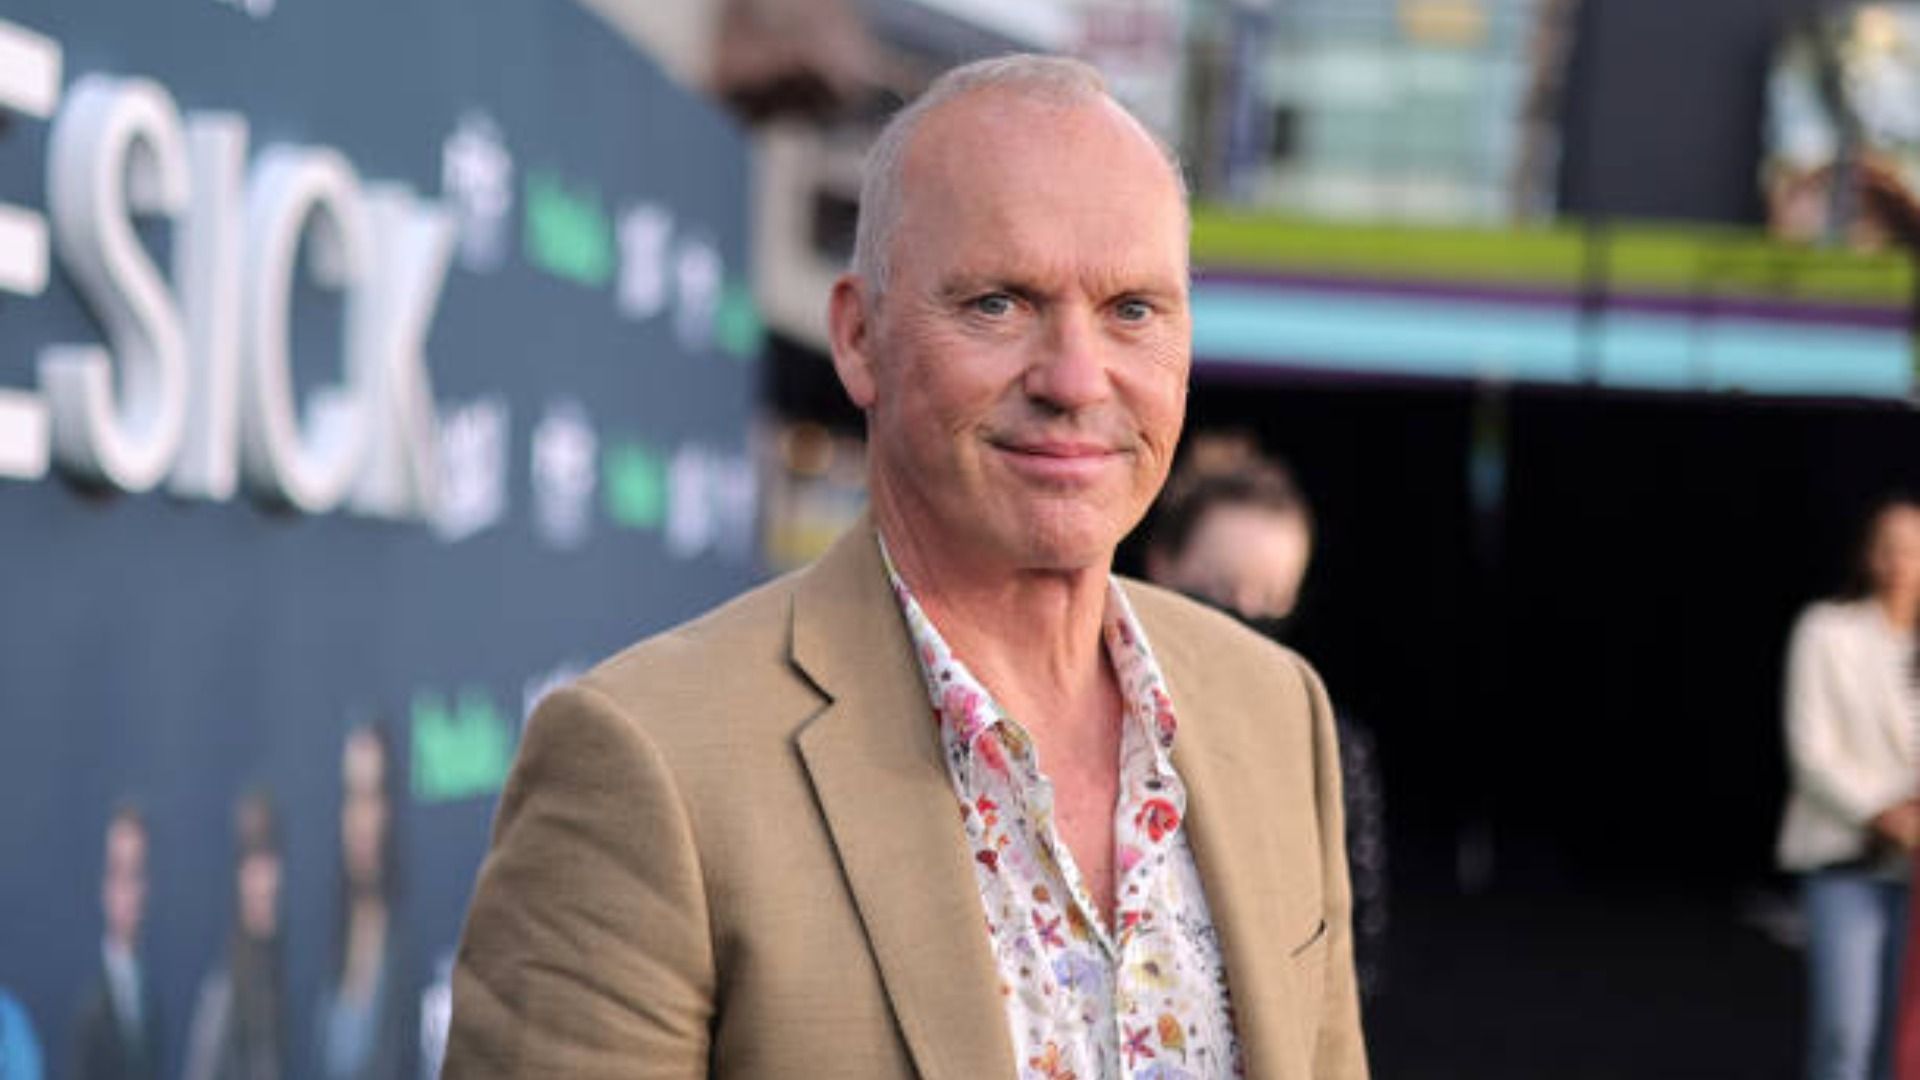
[
  {"x": 117, "y": 150},
  {"x": 30, "y": 84},
  {"x": 206, "y": 269},
  {"x": 298, "y": 192},
  {"x": 402, "y": 476}
]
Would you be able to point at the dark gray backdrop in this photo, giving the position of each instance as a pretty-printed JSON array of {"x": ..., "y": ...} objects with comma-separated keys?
[{"x": 174, "y": 652}]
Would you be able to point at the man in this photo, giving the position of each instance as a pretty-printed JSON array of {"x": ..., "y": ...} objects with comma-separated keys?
[
  {"x": 117, "y": 1034},
  {"x": 949, "y": 803}
]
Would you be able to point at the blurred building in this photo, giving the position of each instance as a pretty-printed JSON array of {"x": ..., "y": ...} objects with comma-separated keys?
[
  {"x": 1843, "y": 128},
  {"x": 1415, "y": 110}
]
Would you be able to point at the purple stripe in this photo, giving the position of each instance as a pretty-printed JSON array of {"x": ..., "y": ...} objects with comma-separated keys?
[
  {"x": 1877, "y": 317},
  {"x": 1295, "y": 372},
  {"x": 1747, "y": 307}
]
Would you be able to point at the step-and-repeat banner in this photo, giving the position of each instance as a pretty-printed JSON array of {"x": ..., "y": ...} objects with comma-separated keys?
[{"x": 367, "y": 367}]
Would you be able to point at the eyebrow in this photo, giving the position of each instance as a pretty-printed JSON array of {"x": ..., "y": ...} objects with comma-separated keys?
[{"x": 966, "y": 285}]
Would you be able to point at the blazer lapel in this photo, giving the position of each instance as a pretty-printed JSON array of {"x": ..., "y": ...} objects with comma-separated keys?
[
  {"x": 1236, "y": 886},
  {"x": 1240, "y": 846},
  {"x": 873, "y": 757}
]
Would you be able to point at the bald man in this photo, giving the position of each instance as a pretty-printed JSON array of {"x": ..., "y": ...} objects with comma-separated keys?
[{"x": 953, "y": 802}]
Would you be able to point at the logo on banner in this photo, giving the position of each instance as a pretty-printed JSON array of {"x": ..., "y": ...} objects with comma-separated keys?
[
  {"x": 567, "y": 233},
  {"x": 636, "y": 491},
  {"x": 565, "y": 472},
  {"x": 476, "y": 177},
  {"x": 709, "y": 311},
  {"x": 644, "y": 232},
  {"x": 697, "y": 274},
  {"x": 459, "y": 751},
  {"x": 473, "y": 454},
  {"x": 710, "y": 503}
]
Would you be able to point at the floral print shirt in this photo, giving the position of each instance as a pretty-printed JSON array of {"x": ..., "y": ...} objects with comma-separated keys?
[{"x": 1144, "y": 999}]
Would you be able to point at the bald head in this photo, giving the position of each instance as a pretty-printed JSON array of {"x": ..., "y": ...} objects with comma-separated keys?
[
  {"x": 1052, "y": 82},
  {"x": 1022, "y": 361}
]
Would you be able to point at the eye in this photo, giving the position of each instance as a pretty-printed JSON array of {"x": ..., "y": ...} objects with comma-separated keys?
[
  {"x": 1133, "y": 310},
  {"x": 993, "y": 305}
]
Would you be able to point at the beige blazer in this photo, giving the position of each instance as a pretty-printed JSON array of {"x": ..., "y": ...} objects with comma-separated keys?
[
  {"x": 1852, "y": 731},
  {"x": 733, "y": 851}
]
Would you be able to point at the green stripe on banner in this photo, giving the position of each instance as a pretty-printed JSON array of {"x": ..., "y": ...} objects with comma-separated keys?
[
  {"x": 1227, "y": 239},
  {"x": 1689, "y": 261},
  {"x": 1739, "y": 263}
]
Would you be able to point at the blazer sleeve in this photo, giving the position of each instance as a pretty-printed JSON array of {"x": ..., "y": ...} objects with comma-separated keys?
[
  {"x": 1340, "y": 1051},
  {"x": 587, "y": 950},
  {"x": 1815, "y": 718}
]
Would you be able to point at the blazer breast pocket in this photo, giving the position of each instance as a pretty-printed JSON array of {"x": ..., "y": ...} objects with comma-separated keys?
[
  {"x": 1304, "y": 977},
  {"x": 1313, "y": 942}
]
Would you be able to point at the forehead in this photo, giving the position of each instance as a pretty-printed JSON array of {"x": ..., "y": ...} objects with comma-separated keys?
[
  {"x": 1243, "y": 521},
  {"x": 995, "y": 180},
  {"x": 1898, "y": 523}
]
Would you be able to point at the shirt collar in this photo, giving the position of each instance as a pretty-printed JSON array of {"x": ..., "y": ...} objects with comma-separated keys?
[{"x": 966, "y": 711}]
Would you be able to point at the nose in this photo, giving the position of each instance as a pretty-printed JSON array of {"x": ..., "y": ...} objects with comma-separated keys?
[{"x": 1068, "y": 372}]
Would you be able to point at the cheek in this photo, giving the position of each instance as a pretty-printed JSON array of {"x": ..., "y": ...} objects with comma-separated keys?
[
  {"x": 1158, "y": 402},
  {"x": 1160, "y": 382},
  {"x": 940, "y": 384}
]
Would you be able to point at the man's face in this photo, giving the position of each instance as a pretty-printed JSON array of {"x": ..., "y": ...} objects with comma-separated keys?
[
  {"x": 1025, "y": 372},
  {"x": 123, "y": 888}
]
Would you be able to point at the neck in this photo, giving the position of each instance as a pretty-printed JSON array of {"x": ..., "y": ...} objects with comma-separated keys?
[
  {"x": 1903, "y": 611},
  {"x": 1030, "y": 635},
  {"x": 369, "y": 907}
]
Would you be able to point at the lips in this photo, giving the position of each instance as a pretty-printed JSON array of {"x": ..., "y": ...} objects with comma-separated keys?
[
  {"x": 1056, "y": 448},
  {"x": 1058, "y": 461}
]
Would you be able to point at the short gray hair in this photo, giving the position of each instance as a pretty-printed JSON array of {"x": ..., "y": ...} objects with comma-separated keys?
[{"x": 1055, "y": 80}]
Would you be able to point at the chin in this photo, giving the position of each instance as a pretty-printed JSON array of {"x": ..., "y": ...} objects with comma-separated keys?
[{"x": 1072, "y": 541}]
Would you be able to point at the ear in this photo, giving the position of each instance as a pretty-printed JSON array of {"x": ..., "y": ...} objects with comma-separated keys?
[{"x": 850, "y": 330}]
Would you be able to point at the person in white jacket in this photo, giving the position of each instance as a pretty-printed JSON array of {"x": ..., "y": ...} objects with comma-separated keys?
[{"x": 1852, "y": 822}]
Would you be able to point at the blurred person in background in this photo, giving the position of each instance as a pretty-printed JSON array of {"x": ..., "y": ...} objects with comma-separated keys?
[
  {"x": 117, "y": 1034},
  {"x": 1233, "y": 530},
  {"x": 366, "y": 1031},
  {"x": 238, "y": 1030},
  {"x": 1852, "y": 820}
]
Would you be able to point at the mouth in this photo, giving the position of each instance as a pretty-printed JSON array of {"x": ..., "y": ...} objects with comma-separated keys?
[{"x": 1058, "y": 460}]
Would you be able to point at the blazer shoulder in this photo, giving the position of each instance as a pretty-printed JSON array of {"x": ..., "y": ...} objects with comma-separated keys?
[
  {"x": 751, "y": 628},
  {"x": 696, "y": 689},
  {"x": 1233, "y": 688}
]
